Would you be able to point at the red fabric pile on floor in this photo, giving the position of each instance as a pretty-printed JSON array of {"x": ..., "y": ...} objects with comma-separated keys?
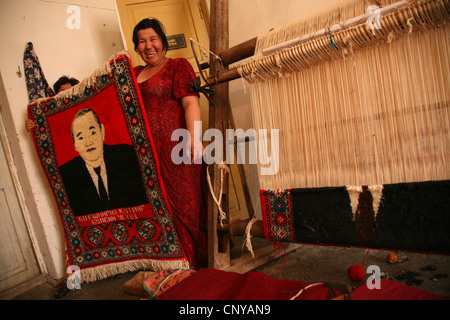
[
  {"x": 210, "y": 284},
  {"x": 391, "y": 290}
]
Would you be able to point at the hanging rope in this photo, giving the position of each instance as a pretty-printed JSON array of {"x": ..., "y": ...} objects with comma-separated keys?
[
  {"x": 248, "y": 241},
  {"x": 223, "y": 169}
]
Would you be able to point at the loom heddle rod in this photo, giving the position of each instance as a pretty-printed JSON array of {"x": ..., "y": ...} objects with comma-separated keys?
[{"x": 335, "y": 28}]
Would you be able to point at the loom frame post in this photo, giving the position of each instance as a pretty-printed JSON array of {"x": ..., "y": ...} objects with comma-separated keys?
[
  {"x": 218, "y": 256},
  {"x": 219, "y": 118}
]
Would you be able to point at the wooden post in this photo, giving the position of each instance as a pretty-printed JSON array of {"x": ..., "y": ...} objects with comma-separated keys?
[
  {"x": 218, "y": 243},
  {"x": 219, "y": 116}
]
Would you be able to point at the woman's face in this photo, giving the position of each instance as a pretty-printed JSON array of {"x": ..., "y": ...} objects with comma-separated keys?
[{"x": 150, "y": 47}]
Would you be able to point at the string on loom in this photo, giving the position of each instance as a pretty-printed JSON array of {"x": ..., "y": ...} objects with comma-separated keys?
[
  {"x": 379, "y": 4},
  {"x": 278, "y": 247},
  {"x": 205, "y": 51},
  {"x": 331, "y": 39},
  {"x": 380, "y": 117},
  {"x": 332, "y": 15}
]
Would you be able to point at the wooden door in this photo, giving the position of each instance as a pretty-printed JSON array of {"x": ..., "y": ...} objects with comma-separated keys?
[{"x": 18, "y": 264}]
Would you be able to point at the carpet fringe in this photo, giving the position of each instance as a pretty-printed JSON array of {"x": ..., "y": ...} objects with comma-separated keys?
[
  {"x": 109, "y": 270},
  {"x": 88, "y": 81}
]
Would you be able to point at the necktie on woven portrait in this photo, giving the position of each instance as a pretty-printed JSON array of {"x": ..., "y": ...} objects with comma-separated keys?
[{"x": 101, "y": 185}]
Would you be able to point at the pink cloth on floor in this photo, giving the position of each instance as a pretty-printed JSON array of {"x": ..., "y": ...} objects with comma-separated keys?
[{"x": 164, "y": 280}]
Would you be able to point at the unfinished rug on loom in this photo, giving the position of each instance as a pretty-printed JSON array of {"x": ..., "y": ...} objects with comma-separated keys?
[
  {"x": 363, "y": 119},
  {"x": 408, "y": 216},
  {"x": 131, "y": 226}
]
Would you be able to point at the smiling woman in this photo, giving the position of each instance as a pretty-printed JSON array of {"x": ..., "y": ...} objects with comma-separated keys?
[
  {"x": 171, "y": 104},
  {"x": 152, "y": 46}
]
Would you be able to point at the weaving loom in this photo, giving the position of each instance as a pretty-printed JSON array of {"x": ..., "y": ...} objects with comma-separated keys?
[
  {"x": 135, "y": 228},
  {"x": 364, "y": 126}
]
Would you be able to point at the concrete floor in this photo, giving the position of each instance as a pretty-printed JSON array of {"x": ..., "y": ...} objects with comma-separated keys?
[{"x": 308, "y": 263}]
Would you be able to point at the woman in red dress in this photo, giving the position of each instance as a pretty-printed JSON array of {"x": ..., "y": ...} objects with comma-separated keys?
[{"x": 171, "y": 104}]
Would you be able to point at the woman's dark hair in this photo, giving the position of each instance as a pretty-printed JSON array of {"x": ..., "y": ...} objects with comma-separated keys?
[
  {"x": 63, "y": 80},
  {"x": 155, "y": 25}
]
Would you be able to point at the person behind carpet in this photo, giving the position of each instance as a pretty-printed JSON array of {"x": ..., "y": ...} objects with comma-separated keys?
[
  {"x": 171, "y": 104},
  {"x": 103, "y": 177},
  {"x": 63, "y": 83}
]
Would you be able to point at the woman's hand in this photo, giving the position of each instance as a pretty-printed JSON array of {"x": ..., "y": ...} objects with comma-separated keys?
[
  {"x": 192, "y": 114},
  {"x": 196, "y": 150},
  {"x": 30, "y": 125}
]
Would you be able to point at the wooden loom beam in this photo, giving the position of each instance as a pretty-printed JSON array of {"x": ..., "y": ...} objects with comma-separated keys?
[
  {"x": 229, "y": 56},
  {"x": 239, "y": 52},
  {"x": 219, "y": 115},
  {"x": 218, "y": 255}
]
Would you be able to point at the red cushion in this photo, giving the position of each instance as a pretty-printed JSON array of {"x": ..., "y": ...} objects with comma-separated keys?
[
  {"x": 391, "y": 290},
  {"x": 211, "y": 284}
]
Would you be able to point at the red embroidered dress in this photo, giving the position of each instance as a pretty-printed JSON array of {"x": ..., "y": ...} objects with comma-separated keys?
[{"x": 183, "y": 183}]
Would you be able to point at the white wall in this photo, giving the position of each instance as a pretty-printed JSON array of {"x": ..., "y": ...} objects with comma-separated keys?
[{"x": 77, "y": 53}]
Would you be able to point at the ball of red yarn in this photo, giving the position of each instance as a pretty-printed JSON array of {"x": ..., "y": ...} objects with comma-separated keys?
[
  {"x": 391, "y": 258},
  {"x": 356, "y": 272}
]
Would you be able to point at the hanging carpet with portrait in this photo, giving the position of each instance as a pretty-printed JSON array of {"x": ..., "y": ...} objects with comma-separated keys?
[{"x": 102, "y": 120}]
